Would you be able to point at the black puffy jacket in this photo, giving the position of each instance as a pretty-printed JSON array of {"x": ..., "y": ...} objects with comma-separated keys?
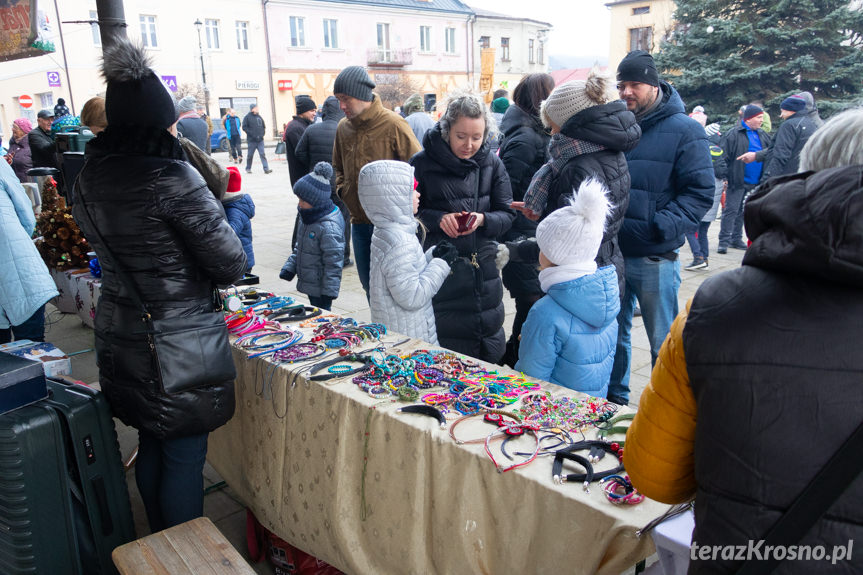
[
  {"x": 613, "y": 126},
  {"x": 735, "y": 142},
  {"x": 293, "y": 132},
  {"x": 169, "y": 234},
  {"x": 316, "y": 143},
  {"x": 773, "y": 355},
  {"x": 524, "y": 151},
  {"x": 790, "y": 139},
  {"x": 468, "y": 308}
]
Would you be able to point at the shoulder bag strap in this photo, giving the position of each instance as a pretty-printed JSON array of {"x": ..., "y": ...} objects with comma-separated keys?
[
  {"x": 133, "y": 289},
  {"x": 817, "y": 497}
]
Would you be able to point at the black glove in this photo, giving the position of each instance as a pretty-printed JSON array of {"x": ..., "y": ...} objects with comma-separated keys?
[
  {"x": 523, "y": 251},
  {"x": 445, "y": 251},
  {"x": 286, "y": 274}
]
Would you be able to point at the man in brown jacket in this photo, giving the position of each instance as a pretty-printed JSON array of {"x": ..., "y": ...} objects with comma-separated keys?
[{"x": 369, "y": 132}]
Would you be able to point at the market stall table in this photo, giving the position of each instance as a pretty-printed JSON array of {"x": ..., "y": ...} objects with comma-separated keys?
[
  {"x": 368, "y": 489},
  {"x": 79, "y": 293}
]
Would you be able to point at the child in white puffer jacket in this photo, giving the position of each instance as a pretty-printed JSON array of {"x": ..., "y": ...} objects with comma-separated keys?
[{"x": 403, "y": 279}]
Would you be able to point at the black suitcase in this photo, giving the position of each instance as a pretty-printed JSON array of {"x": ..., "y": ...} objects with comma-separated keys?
[{"x": 64, "y": 504}]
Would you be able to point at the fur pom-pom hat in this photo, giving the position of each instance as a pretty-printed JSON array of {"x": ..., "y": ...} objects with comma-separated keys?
[
  {"x": 568, "y": 99},
  {"x": 135, "y": 96},
  {"x": 572, "y": 235}
]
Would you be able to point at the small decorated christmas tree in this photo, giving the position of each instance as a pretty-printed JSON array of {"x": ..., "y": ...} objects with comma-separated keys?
[{"x": 62, "y": 246}]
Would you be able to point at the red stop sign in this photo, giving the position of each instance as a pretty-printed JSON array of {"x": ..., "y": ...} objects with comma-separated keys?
[{"x": 25, "y": 101}]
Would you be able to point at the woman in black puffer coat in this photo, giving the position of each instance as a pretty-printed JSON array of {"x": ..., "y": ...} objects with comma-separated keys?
[
  {"x": 458, "y": 175},
  {"x": 147, "y": 212},
  {"x": 591, "y": 131},
  {"x": 524, "y": 151}
]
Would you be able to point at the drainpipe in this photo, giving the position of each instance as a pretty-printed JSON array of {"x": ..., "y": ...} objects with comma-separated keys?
[
  {"x": 468, "y": 35},
  {"x": 269, "y": 67}
]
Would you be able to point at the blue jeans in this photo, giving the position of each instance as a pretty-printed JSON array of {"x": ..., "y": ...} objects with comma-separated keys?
[
  {"x": 250, "y": 154},
  {"x": 32, "y": 328},
  {"x": 362, "y": 236},
  {"x": 654, "y": 282},
  {"x": 169, "y": 474},
  {"x": 697, "y": 239}
]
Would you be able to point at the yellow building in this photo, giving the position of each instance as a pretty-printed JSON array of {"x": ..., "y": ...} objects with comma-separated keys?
[{"x": 638, "y": 25}]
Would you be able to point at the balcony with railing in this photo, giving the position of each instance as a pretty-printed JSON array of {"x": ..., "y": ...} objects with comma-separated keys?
[{"x": 380, "y": 58}]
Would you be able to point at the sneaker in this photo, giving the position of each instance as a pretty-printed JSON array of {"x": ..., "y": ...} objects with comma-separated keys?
[
  {"x": 268, "y": 171},
  {"x": 248, "y": 171},
  {"x": 739, "y": 245},
  {"x": 348, "y": 263},
  {"x": 699, "y": 263},
  {"x": 722, "y": 250},
  {"x": 637, "y": 311}
]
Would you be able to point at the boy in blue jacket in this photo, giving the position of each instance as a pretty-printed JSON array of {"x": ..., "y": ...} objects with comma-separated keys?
[
  {"x": 570, "y": 334},
  {"x": 239, "y": 211},
  {"x": 318, "y": 257}
]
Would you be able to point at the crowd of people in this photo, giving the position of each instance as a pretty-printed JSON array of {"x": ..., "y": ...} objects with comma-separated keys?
[{"x": 576, "y": 198}]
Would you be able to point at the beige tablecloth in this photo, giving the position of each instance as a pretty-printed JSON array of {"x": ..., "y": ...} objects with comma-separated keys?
[{"x": 294, "y": 453}]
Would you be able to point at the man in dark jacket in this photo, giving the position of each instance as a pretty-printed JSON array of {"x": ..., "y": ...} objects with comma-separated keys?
[
  {"x": 750, "y": 379},
  {"x": 672, "y": 187},
  {"x": 42, "y": 149},
  {"x": 316, "y": 145},
  {"x": 255, "y": 129},
  {"x": 190, "y": 125},
  {"x": 791, "y": 137},
  {"x": 306, "y": 110},
  {"x": 232, "y": 132},
  {"x": 746, "y": 148}
]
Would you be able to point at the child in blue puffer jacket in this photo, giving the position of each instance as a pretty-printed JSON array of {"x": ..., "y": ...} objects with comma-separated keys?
[
  {"x": 577, "y": 318},
  {"x": 318, "y": 257},
  {"x": 239, "y": 211}
]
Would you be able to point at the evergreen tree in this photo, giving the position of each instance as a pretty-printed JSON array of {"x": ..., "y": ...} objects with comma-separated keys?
[{"x": 726, "y": 53}]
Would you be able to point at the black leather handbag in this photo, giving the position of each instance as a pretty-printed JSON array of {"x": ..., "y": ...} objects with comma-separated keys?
[{"x": 189, "y": 351}]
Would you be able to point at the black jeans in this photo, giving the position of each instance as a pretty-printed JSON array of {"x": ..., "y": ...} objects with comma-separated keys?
[
  {"x": 32, "y": 328},
  {"x": 321, "y": 301},
  {"x": 236, "y": 146},
  {"x": 731, "y": 225},
  {"x": 522, "y": 308}
]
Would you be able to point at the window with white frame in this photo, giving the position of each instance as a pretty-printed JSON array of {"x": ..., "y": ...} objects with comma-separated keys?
[
  {"x": 504, "y": 49},
  {"x": 485, "y": 41},
  {"x": 449, "y": 35},
  {"x": 298, "y": 32},
  {"x": 530, "y": 43},
  {"x": 541, "y": 53},
  {"x": 212, "y": 27},
  {"x": 148, "y": 31},
  {"x": 331, "y": 33},
  {"x": 383, "y": 30},
  {"x": 425, "y": 38},
  {"x": 242, "y": 35},
  {"x": 94, "y": 28},
  {"x": 46, "y": 99}
]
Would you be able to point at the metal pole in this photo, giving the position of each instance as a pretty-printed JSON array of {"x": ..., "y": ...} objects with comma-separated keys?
[
  {"x": 203, "y": 72},
  {"x": 65, "y": 61},
  {"x": 112, "y": 21}
]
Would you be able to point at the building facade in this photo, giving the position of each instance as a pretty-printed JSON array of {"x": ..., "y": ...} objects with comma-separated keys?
[
  {"x": 266, "y": 52},
  {"x": 519, "y": 45},
  {"x": 638, "y": 25},
  {"x": 420, "y": 46},
  {"x": 232, "y": 53}
]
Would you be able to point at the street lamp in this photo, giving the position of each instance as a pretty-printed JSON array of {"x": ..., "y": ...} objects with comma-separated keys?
[{"x": 198, "y": 25}]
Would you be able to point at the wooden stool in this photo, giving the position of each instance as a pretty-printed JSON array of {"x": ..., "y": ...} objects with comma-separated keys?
[{"x": 195, "y": 547}]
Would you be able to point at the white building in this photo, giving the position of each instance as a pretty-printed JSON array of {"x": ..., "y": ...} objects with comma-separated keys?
[
  {"x": 519, "y": 44},
  {"x": 311, "y": 41},
  {"x": 233, "y": 44}
]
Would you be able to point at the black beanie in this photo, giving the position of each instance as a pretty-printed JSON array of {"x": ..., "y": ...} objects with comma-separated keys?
[
  {"x": 135, "y": 95},
  {"x": 638, "y": 66},
  {"x": 751, "y": 111},
  {"x": 355, "y": 82},
  {"x": 304, "y": 104}
]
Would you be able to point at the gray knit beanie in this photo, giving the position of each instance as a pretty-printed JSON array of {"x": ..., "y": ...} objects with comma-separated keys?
[
  {"x": 187, "y": 104},
  {"x": 568, "y": 99},
  {"x": 355, "y": 82}
]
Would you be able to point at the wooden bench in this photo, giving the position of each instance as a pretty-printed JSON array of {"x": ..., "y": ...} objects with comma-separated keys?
[{"x": 195, "y": 547}]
